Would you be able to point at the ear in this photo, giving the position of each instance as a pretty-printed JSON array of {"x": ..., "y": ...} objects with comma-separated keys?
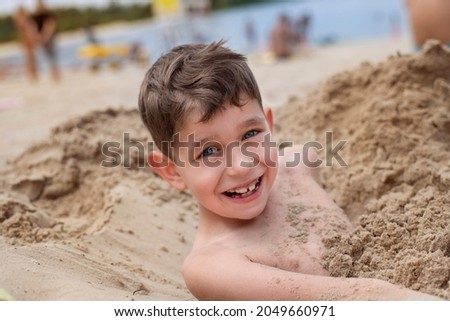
[
  {"x": 166, "y": 168},
  {"x": 269, "y": 117}
]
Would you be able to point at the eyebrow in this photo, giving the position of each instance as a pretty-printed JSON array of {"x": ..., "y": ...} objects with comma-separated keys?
[{"x": 257, "y": 120}]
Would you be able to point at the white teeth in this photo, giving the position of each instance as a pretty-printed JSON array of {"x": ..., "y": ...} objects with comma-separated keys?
[{"x": 245, "y": 189}]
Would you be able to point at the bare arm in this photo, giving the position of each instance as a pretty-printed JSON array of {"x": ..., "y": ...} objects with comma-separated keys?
[{"x": 220, "y": 274}]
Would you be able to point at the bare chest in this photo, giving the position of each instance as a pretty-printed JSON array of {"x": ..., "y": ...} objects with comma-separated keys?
[{"x": 294, "y": 241}]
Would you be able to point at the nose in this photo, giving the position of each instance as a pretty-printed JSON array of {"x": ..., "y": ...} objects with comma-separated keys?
[{"x": 240, "y": 160}]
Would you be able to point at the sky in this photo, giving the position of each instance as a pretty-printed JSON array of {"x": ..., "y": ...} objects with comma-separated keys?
[{"x": 9, "y": 6}]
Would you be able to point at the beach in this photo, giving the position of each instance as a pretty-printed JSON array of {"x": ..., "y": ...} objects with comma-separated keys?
[{"x": 72, "y": 229}]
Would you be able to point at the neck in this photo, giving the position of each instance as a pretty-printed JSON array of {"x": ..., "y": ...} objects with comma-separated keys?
[{"x": 213, "y": 226}]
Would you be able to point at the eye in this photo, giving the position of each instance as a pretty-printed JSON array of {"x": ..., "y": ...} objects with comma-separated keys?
[
  {"x": 250, "y": 134},
  {"x": 209, "y": 151}
]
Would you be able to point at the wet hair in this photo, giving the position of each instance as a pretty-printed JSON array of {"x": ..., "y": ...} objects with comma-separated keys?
[{"x": 193, "y": 76}]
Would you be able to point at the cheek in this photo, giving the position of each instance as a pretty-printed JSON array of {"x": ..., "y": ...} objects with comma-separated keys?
[
  {"x": 268, "y": 155},
  {"x": 271, "y": 162},
  {"x": 201, "y": 180},
  {"x": 273, "y": 174},
  {"x": 274, "y": 157}
]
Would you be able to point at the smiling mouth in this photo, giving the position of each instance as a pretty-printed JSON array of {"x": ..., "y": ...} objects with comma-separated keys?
[{"x": 244, "y": 191}]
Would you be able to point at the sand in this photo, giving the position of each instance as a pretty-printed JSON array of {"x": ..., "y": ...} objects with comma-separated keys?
[
  {"x": 72, "y": 229},
  {"x": 395, "y": 183},
  {"x": 93, "y": 227}
]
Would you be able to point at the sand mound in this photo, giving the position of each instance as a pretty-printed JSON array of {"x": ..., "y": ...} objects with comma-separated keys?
[
  {"x": 70, "y": 177},
  {"x": 95, "y": 219},
  {"x": 74, "y": 229},
  {"x": 395, "y": 117}
]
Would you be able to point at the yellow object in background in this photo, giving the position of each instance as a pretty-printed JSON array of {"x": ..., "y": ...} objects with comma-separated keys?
[
  {"x": 104, "y": 51},
  {"x": 166, "y": 7}
]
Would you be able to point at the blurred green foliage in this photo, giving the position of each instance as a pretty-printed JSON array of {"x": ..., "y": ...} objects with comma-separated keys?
[
  {"x": 7, "y": 29},
  {"x": 223, "y": 4},
  {"x": 77, "y": 18}
]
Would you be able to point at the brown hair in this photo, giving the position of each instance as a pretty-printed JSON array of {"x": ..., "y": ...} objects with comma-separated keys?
[{"x": 193, "y": 76}]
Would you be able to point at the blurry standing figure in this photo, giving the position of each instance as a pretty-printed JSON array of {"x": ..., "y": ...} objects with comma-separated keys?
[
  {"x": 90, "y": 35},
  {"x": 429, "y": 19},
  {"x": 26, "y": 30},
  {"x": 302, "y": 29},
  {"x": 282, "y": 37},
  {"x": 46, "y": 24},
  {"x": 394, "y": 22},
  {"x": 250, "y": 35}
]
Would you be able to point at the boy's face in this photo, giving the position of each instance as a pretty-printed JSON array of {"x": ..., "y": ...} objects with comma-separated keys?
[{"x": 228, "y": 163}]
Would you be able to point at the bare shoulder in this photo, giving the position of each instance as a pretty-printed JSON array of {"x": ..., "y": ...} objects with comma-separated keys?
[{"x": 208, "y": 272}]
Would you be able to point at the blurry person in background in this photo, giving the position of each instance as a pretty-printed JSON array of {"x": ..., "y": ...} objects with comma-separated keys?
[
  {"x": 394, "y": 26},
  {"x": 90, "y": 34},
  {"x": 302, "y": 26},
  {"x": 429, "y": 19},
  {"x": 27, "y": 33},
  {"x": 282, "y": 37},
  {"x": 250, "y": 35},
  {"x": 46, "y": 24}
]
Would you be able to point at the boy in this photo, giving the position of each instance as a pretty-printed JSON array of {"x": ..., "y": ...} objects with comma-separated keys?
[{"x": 262, "y": 213}]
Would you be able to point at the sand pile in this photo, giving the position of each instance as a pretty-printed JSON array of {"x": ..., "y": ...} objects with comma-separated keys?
[
  {"x": 395, "y": 117},
  {"x": 69, "y": 177},
  {"x": 58, "y": 203},
  {"x": 73, "y": 229}
]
